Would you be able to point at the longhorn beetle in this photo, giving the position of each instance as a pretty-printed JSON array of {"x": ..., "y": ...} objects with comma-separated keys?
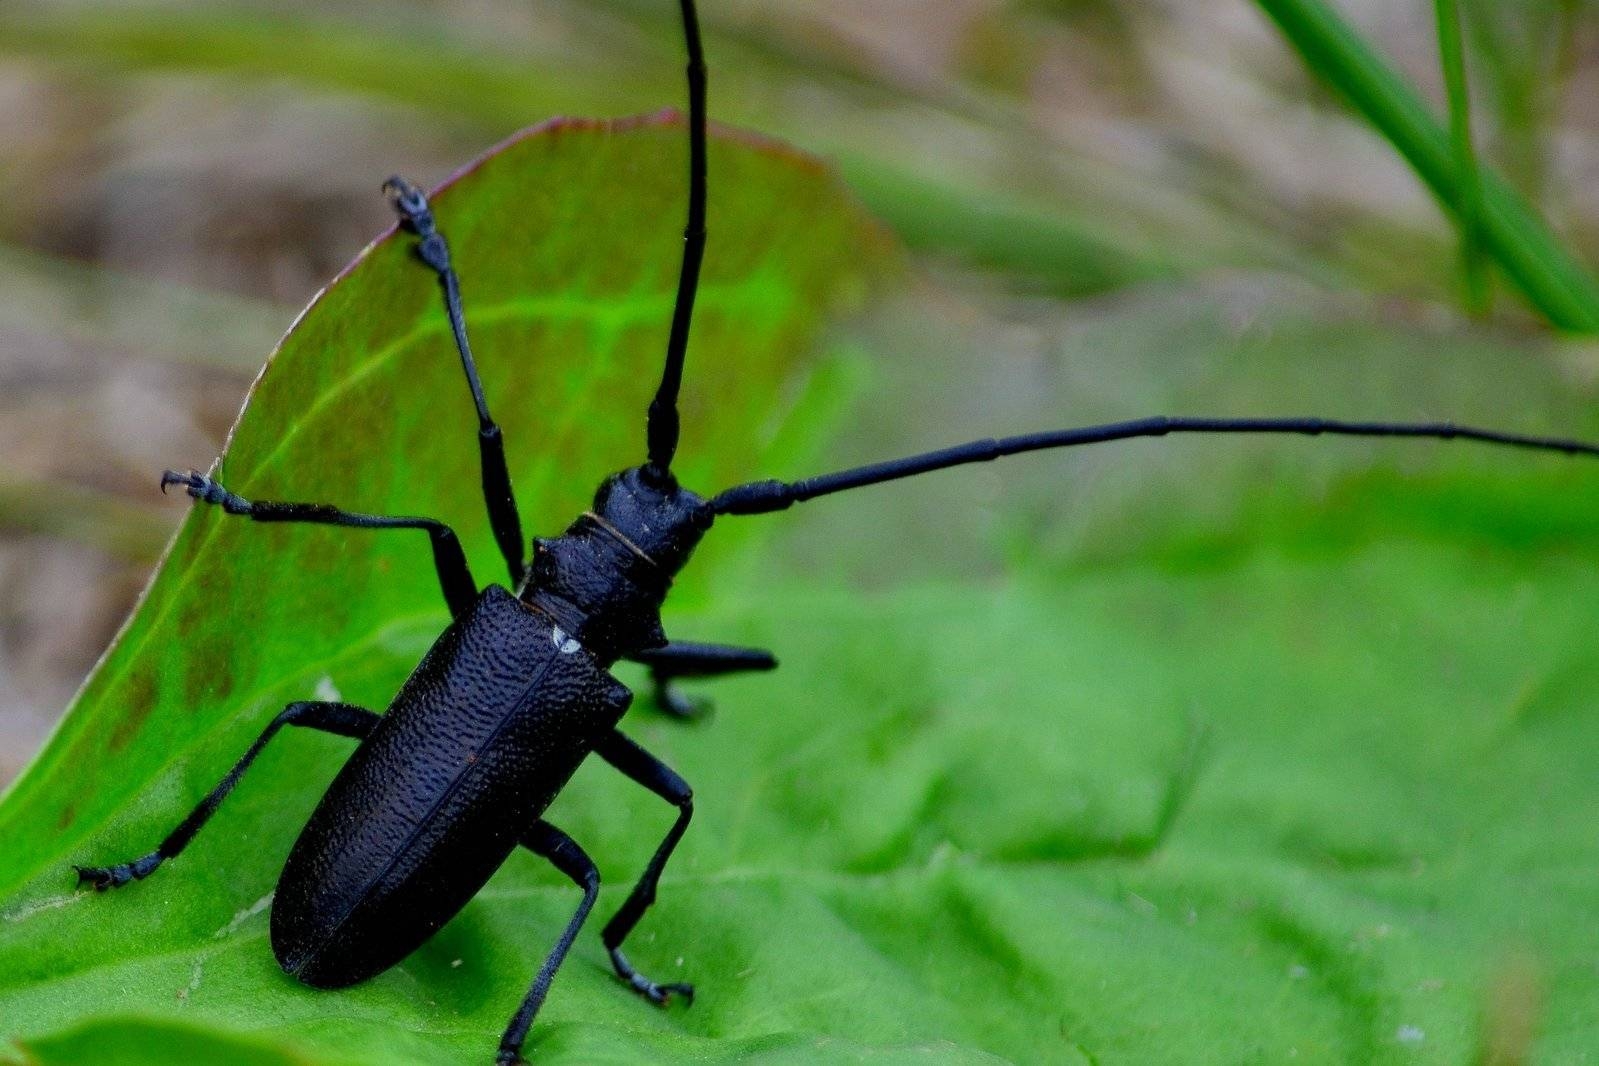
[{"x": 516, "y": 692}]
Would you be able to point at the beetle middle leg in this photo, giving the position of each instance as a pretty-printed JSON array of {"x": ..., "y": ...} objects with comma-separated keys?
[
  {"x": 455, "y": 577},
  {"x": 660, "y": 779},
  {"x": 687, "y": 659},
  {"x": 343, "y": 719},
  {"x": 415, "y": 215},
  {"x": 566, "y": 856}
]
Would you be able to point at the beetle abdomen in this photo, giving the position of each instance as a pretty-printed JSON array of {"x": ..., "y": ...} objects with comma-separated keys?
[{"x": 492, "y": 724}]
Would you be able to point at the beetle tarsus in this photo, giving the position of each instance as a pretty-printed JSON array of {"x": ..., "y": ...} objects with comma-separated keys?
[
  {"x": 206, "y": 490},
  {"x": 104, "y": 877},
  {"x": 190, "y": 481},
  {"x": 509, "y": 1057},
  {"x": 659, "y": 995},
  {"x": 410, "y": 204}
]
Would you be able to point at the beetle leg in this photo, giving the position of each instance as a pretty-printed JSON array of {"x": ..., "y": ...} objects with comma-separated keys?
[
  {"x": 565, "y": 855},
  {"x": 343, "y": 719},
  {"x": 686, "y": 659},
  {"x": 660, "y": 779},
  {"x": 415, "y": 215},
  {"x": 455, "y": 577}
]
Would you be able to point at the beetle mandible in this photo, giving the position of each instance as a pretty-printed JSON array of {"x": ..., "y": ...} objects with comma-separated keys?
[{"x": 516, "y": 693}]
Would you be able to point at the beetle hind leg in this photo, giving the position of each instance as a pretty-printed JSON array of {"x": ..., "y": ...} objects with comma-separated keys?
[
  {"x": 342, "y": 719},
  {"x": 566, "y": 856}
]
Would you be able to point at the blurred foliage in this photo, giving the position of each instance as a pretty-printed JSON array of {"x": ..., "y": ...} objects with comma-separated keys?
[{"x": 1533, "y": 258}]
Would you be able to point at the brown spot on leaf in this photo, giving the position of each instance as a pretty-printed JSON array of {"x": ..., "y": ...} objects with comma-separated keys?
[
  {"x": 138, "y": 701},
  {"x": 207, "y": 681},
  {"x": 24, "y": 1056}
]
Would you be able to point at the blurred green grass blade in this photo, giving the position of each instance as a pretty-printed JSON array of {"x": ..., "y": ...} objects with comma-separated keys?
[
  {"x": 312, "y": 49},
  {"x": 1523, "y": 246},
  {"x": 1452, "y": 58}
]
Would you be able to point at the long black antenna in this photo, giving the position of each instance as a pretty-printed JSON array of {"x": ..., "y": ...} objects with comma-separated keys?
[
  {"x": 661, "y": 433},
  {"x": 759, "y": 497}
]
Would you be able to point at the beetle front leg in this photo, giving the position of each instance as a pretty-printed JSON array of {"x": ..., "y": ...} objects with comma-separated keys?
[
  {"x": 449, "y": 560},
  {"x": 565, "y": 855},
  {"x": 417, "y": 216},
  {"x": 342, "y": 719},
  {"x": 660, "y": 779}
]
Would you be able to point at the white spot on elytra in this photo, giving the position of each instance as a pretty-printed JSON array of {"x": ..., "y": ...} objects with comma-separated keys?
[
  {"x": 327, "y": 691},
  {"x": 1410, "y": 1034},
  {"x": 565, "y": 644}
]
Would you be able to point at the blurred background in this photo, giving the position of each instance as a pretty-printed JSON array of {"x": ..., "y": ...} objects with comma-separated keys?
[{"x": 1115, "y": 207}]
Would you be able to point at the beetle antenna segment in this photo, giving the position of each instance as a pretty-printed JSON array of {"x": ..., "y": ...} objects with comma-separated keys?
[
  {"x": 662, "y": 429},
  {"x": 759, "y": 497}
]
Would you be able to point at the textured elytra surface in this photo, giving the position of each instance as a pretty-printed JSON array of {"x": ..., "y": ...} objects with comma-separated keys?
[{"x": 473, "y": 749}]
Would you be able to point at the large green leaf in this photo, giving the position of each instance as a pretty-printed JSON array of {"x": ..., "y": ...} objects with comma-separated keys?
[
  {"x": 567, "y": 239},
  {"x": 1285, "y": 755}
]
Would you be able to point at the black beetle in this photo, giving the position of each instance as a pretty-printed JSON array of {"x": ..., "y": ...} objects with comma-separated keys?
[{"x": 516, "y": 693}]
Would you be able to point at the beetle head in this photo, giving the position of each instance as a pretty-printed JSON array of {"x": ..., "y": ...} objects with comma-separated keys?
[{"x": 657, "y": 515}]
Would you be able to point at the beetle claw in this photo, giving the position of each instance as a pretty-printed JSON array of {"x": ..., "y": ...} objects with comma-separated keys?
[
  {"x": 195, "y": 483},
  {"x": 679, "y": 988},
  {"x": 659, "y": 995},
  {"x": 91, "y": 875},
  {"x": 101, "y": 877},
  {"x": 173, "y": 477},
  {"x": 409, "y": 201}
]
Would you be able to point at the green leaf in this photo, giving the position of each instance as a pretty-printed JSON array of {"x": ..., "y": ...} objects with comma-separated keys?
[
  {"x": 141, "y": 1042},
  {"x": 567, "y": 240},
  {"x": 1304, "y": 775}
]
